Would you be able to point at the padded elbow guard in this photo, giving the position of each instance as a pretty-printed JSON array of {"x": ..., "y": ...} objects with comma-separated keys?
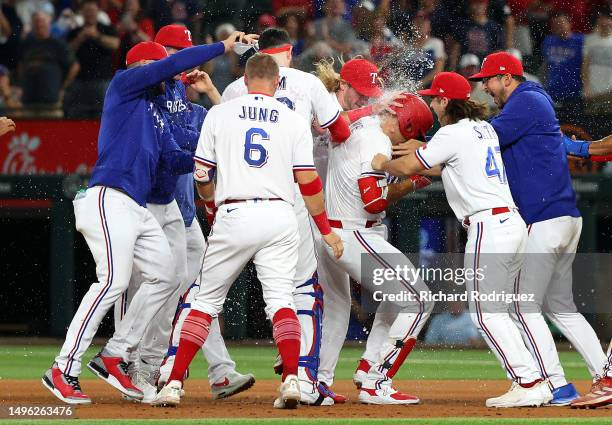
[{"x": 373, "y": 193}]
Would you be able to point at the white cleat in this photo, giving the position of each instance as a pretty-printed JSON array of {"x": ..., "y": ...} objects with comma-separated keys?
[
  {"x": 170, "y": 395},
  {"x": 233, "y": 383},
  {"x": 144, "y": 376},
  {"x": 310, "y": 395},
  {"x": 384, "y": 393},
  {"x": 518, "y": 396},
  {"x": 289, "y": 390}
]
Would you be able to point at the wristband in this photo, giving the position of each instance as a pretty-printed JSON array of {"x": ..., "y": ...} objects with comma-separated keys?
[
  {"x": 356, "y": 114},
  {"x": 420, "y": 181},
  {"x": 322, "y": 223},
  {"x": 312, "y": 188},
  {"x": 601, "y": 158},
  {"x": 210, "y": 209}
]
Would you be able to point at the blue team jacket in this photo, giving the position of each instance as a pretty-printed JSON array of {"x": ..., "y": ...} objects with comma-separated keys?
[
  {"x": 134, "y": 134},
  {"x": 534, "y": 156},
  {"x": 177, "y": 110},
  {"x": 184, "y": 191}
]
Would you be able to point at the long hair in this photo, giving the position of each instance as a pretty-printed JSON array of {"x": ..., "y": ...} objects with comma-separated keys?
[
  {"x": 324, "y": 70},
  {"x": 457, "y": 110}
]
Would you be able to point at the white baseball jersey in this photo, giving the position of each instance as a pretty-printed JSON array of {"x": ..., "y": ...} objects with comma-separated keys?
[
  {"x": 300, "y": 91},
  {"x": 322, "y": 145},
  {"x": 255, "y": 143},
  {"x": 473, "y": 171},
  {"x": 348, "y": 162}
]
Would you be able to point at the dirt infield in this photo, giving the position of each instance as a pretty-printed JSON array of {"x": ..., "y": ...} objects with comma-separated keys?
[{"x": 438, "y": 399}]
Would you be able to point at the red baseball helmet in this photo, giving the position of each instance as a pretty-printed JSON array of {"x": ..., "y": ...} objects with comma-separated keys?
[
  {"x": 362, "y": 75},
  {"x": 414, "y": 116},
  {"x": 450, "y": 85},
  {"x": 145, "y": 50},
  {"x": 498, "y": 63},
  {"x": 176, "y": 36}
]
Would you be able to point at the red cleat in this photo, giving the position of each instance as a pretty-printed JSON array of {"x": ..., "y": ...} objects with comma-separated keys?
[
  {"x": 600, "y": 395},
  {"x": 64, "y": 387},
  {"x": 114, "y": 370}
]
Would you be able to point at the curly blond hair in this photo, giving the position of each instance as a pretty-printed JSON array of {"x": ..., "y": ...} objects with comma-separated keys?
[{"x": 324, "y": 70}]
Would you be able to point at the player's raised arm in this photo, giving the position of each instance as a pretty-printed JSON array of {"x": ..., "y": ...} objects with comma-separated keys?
[{"x": 149, "y": 74}]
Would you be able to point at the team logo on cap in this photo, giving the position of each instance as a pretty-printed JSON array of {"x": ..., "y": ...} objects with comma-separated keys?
[{"x": 373, "y": 75}]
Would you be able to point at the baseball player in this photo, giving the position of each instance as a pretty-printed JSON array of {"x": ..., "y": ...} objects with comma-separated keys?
[
  {"x": 540, "y": 183},
  {"x": 357, "y": 92},
  {"x": 255, "y": 161},
  {"x": 601, "y": 390},
  {"x": 477, "y": 191},
  {"x": 112, "y": 217},
  {"x": 357, "y": 197},
  {"x": 184, "y": 120},
  {"x": 305, "y": 94}
]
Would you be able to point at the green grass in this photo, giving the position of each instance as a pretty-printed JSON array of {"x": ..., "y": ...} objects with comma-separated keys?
[
  {"x": 30, "y": 362},
  {"x": 319, "y": 421}
]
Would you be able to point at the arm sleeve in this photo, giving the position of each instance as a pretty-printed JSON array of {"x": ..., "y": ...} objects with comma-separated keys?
[
  {"x": 302, "y": 151},
  {"x": 205, "y": 152},
  {"x": 439, "y": 150},
  {"x": 325, "y": 109},
  {"x": 136, "y": 80}
]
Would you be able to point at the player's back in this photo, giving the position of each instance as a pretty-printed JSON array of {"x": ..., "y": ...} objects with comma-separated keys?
[
  {"x": 300, "y": 91},
  {"x": 257, "y": 145},
  {"x": 350, "y": 161},
  {"x": 474, "y": 178}
]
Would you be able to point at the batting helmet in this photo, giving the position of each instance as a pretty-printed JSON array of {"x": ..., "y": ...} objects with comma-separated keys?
[
  {"x": 145, "y": 50},
  {"x": 414, "y": 116},
  {"x": 176, "y": 36}
]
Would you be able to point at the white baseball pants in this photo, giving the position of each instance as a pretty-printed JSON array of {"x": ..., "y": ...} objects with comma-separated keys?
[
  {"x": 120, "y": 233},
  {"x": 495, "y": 245},
  {"x": 397, "y": 321},
  {"x": 547, "y": 273},
  {"x": 265, "y": 231}
]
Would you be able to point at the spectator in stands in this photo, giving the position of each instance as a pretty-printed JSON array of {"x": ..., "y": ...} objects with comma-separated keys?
[
  {"x": 479, "y": 34},
  {"x": 94, "y": 45},
  {"x": 302, "y": 7},
  {"x": 7, "y": 94},
  {"x": 597, "y": 57},
  {"x": 223, "y": 69},
  {"x": 134, "y": 27},
  {"x": 312, "y": 55},
  {"x": 469, "y": 64},
  {"x": 334, "y": 30},
  {"x": 265, "y": 21},
  {"x": 431, "y": 47},
  {"x": 383, "y": 41},
  {"x": 522, "y": 32},
  {"x": 294, "y": 24},
  {"x": 46, "y": 65},
  {"x": 9, "y": 44},
  {"x": 562, "y": 54},
  {"x": 26, "y": 10}
]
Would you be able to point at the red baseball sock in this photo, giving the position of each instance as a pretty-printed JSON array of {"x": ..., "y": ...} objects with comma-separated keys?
[
  {"x": 193, "y": 334},
  {"x": 286, "y": 332}
]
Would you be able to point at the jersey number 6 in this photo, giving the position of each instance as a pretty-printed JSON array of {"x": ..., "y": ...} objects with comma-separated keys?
[{"x": 255, "y": 154}]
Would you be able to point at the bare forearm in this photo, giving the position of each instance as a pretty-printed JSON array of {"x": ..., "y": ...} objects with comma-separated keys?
[
  {"x": 109, "y": 42},
  {"x": 206, "y": 191},
  {"x": 601, "y": 147},
  {"x": 214, "y": 96},
  {"x": 315, "y": 204},
  {"x": 397, "y": 191}
]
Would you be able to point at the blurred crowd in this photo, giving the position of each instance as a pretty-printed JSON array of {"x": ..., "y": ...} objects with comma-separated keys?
[{"x": 58, "y": 55}]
